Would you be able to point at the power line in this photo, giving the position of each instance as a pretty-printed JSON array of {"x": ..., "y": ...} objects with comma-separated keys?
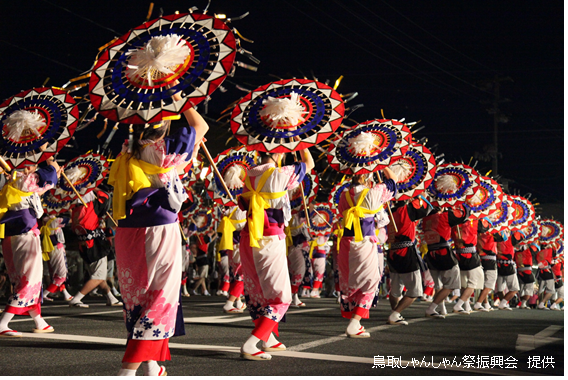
[
  {"x": 439, "y": 40},
  {"x": 83, "y": 17},
  {"x": 42, "y": 56},
  {"x": 408, "y": 49},
  {"x": 440, "y": 84}
]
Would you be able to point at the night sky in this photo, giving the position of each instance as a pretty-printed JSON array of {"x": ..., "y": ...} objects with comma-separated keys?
[{"x": 433, "y": 62}]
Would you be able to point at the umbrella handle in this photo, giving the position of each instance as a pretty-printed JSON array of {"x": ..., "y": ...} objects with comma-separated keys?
[
  {"x": 388, "y": 206},
  {"x": 5, "y": 165},
  {"x": 202, "y": 145},
  {"x": 81, "y": 198},
  {"x": 303, "y": 197},
  {"x": 326, "y": 222}
]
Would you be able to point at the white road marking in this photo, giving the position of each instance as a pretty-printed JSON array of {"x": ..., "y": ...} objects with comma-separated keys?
[
  {"x": 230, "y": 318},
  {"x": 68, "y": 315},
  {"x": 289, "y": 354},
  {"x": 530, "y": 342}
]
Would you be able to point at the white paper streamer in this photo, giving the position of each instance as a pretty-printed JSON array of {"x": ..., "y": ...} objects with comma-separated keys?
[
  {"x": 18, "y": 121},
  {"x": 446, "y": 184},
  {"x": 232, "y": 177},
  {"x": 363, "y": 143},
  {"x": 288, "y": 110}
]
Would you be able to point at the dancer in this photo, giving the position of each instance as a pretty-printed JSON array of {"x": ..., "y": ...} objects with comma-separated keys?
[
  {"x": 52, "y": 242},
  {"x": 403, "y": 257},
  {"x": 148, "y": 195},
  {"x": 469, "y": 261},
  {"x": 524, "y": 261},
  {"x": 230, "y": 229},
  {"x": 357, "y": 258},
  {"x": 546, "y": 287},
  {"x": 263, "y": 247},
  {"x": 93, "y": 245},
  {"x": 506, "y": 268},
  {"x": 487, "y": 248},
  {"x": 20, "y": 206},
  {"x": 298, "y": 236},
  {"x": 440, "y": 257}
]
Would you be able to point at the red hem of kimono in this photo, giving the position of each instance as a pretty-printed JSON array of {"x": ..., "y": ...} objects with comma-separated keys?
[
  {"x": 263, "y": 327},
  {"x": 54, "y": 288},
  {"x": 363, "y": 313},
  {"x": 138, "y": 351},
  {"x": 429, "y": 291},
  {"x": 225, "y": 287},
  {"x": 237, "y": 288},
  {"x": 337, "y": 289},
  {"x": 23, "y": 310},
  {"x": 317, "y": 284},
  {"x": 295, "y": 289}
]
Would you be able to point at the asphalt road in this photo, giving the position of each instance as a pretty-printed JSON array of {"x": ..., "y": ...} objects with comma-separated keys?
[{"x": 91, "y": 342}]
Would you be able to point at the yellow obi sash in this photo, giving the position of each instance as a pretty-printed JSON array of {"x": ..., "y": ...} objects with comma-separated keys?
[
  {"x": 339, "y": 233},
  {"x": 354, "y": 214},
  {"x": 227, "y": 227},
  {"x": 46, "y": 243},
  {"x": 129, "y": 175},
  {"x": 10, "y": 196},
  {"x": 257, "y": 205}
]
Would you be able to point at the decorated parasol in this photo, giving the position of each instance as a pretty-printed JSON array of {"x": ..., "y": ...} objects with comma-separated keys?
[
  {"x": 369, "y": 146},
  {"x": 36, "y": 124},
  {"x": 309, "y": 186},
  {"x": 415, "y": 171},
  {"x": 523, "y": 212},
  {"x": 503, "y": 216},
  {"x": 486, "y": 199},
  {"x": 335, "y": 194},
  {"x": 532, "y": 232},
  {"x": 205, "y": 220},
  {"x": 233, "y": 165},
  {"x": 551, "y": 231},
  {"x": 287, "y": 116},
  {"x": 84, "y": 174},
  {"x": 321, "y": 218},
  {"x": 453, "y": 184},
  {"x": 190, "y": 52},
  {"x": 53, "y": 205}
]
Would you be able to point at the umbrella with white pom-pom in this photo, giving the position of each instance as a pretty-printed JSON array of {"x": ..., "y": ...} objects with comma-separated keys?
[
  {"x": 232, "y": 164},
  {"x": 287, "y": 116},
  {"x": 486, "y": 198},
  {"x": 415, "y": 171},
  {"x": 36, "y": 124},
  {"x": 369, "y": 146},
  {"x": 82, "y": 175},
  {"x": 134, "y": 79},
  {"x": 54, "y": 205},
  {"x": 551, "y": 231},
  {"x": 501, "y": 219},
  {"x": 523, "y": 212},
  {"x": 453, "y": 184},
  {"x": 321, "y": 218}
]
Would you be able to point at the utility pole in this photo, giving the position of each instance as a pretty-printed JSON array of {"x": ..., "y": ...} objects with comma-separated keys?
[{"x": 498, "y": 117}]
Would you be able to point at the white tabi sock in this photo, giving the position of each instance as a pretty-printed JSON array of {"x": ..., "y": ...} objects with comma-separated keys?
[
  {"x": 6, "y": 318},
  {"x": 432, "y": 308},
  {"x": 39, "y": 321},
  {"x": 354, "y": 326},
  {"x": 77, "y": 298},
  {"x": 111, "y": 299},
  {"x": 45, "y": 293},
  {"x": 523, "y": 303},
  {"x": 296, "y": 299},
  {"x": 228, "y": 305},
  {"x": 238, "y": 303},
  {"x": 443, "y": 310},
  {"x": 272, "y": 341},
  {"x": 458, "y": 305},
  {"x": 66, "y": 294},
  {"x": 126, "y": 372},
  {"x": 541, "y": 305},
  {"x": 184, "y": 289},
  {"x": 395, "y": 316},
  {"x": 250, "y": 345},
  {"x": 152, "y": 368},
  {"x": 477, "y": 305},
  {"x": 486, "y": 305},
  {"x": 467, "y": 306},
  {"x": 114, "y": 291}
]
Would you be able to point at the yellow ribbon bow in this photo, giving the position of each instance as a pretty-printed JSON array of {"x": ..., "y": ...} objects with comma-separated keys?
[
  {"x": 226, "y": 228},
  {"x": 313, "y": 245},
  {"x": 9, "y": 196},
  {"x": 129, "y": 175},
  {"x": 257, "y": 205},
  {"x": 339, "y": 233},
  {"x": 353, "y": 215}
]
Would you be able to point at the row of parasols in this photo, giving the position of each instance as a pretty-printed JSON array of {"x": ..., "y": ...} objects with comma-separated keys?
[{"x": 134, "y": 78}]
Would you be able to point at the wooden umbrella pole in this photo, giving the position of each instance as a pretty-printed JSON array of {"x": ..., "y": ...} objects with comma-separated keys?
[
  {"x": 202, "y": 145},
  {"x": 303, "y": 197},
  {"x": 388, "y": 206},
  {"x": 81, "y": 198},
  {"x": 326, "y": 222},
  {"x": 5, "y": 165}
]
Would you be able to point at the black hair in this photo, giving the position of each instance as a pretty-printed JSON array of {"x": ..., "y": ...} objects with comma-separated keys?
[{"x": 144, "y": 132}]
